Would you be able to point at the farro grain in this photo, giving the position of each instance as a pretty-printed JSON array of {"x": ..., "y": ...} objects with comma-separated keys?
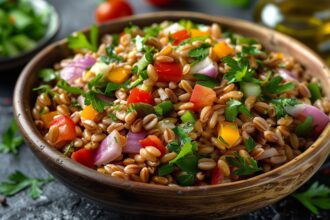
[
  {"x": 206, "y": 114},
  {"x": 206, "y": 164},
  {"x": 224, "y": 167},
  {"x": 115, "y": 126},
  {"x": 260, "y": 124},
  {"x": 144, "y": 174},
  {"x": 132, "y": 169},
  {"x": 150, "y": 121},
  {"x": 164, "y": 59},
  {"x": 167, "y": 157}
]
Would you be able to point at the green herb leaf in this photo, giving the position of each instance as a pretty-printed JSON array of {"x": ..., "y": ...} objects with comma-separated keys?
[
  {"x": 317, "y": 196},
  {"x": 44, "y": 89},
  {"x": 68, "y": 149},
  {"x": 274, "y": 87},
  {"x": 233, "y": 108},
  {"x": 174, "y": 146},
  {"x": 184, "y": 138},
  {"x": 188, "y": 163},
  {"x": 73, "y": 90},
  {"x": 97, "y": 103},
  {"x": 244, "y": 168},
  {"x": 205, "y": 80},
  {"x": 111, "y": 56},
  {"x": 315, "y": 91},
  {"x": 187, "y": 148},
  {"x": 186, "y": 179},
  {"x": 165, "y": 169},
  {"x": 129, "y": 30},
  {"x": 151, "y": 31},
  {"x": 187, "y": 24},
  {"x": 200, "y": 53},
  {"x": 11, "y": 142},
  {"x": 305, "y": 128},
  {"x": 18, "y": 181},
  {"x": 249, "y": 144},
  {"x": 193, "y": 39},
  {"x": 115, "y": 39},
  {"x": 239, "y": 70},
  {"x": 280, "y": 103},
  {"x": 80, "y": 41},
  {"x": 113, "y": 117},
  {"x": 111, "y": 87},
  {"x": 47, "y": 75},
  {"x": 163, "y": 108}
]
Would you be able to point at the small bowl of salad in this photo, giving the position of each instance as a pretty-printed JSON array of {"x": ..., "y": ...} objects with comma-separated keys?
[{"x": 17, "y": 18}]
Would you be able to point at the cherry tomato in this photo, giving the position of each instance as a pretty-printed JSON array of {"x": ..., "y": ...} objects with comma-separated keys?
[
  {"x": 202, "y": 96},
  {"x": 153, "y": 140},
  {"x": 84, "y": 157},
  {"x": 168, "y": 72},
  {"x": 180, "y": 36},
  {"x": 66, "y": 129},
  {"x": 138, "y": 95},
  {"x": 112, "y": 9},
  {"x": 217, "y": 176},
  {"x": 159, "y": 2}
]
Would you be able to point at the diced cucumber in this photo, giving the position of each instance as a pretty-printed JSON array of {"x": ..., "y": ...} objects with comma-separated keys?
[
  {"x": 188, "y": 116},
  {"x": 250, "y": 89}
]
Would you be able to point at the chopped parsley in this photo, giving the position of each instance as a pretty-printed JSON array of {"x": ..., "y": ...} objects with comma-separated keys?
[
  {"x": 111, "y": 56},
  {"x": 233, "y": 108},
  {"x": 44, "y": 89},
  {"x": 305, "y": 128},
  {"x": 80, "y": 41},
  {"x": 244, "y": 168},
  {"x": 315, "y": 198},
  {"x": 205, "y": 80},
  {"x": 151, "y": 31},
  {"x": 239, "y": 70},
  {"x": 130, "y": 29},
  {"x": 274, "y": 87},
  {"x": 10, "y": 141},
  {"x": 17, "y": 181},
  {"x": 249, "y": 144},
  {"x": 200, "y": 53},
  {"x": 97, "y": 103},
  {"x": 47, "y": 75},
  {"x": 279, "y": 105},
  {"x": 64, "y": 85},
  {"x": 68, "y": 150}
]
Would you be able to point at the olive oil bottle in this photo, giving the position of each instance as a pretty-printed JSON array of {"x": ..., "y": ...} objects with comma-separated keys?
[{"x": 305, "y": 20}]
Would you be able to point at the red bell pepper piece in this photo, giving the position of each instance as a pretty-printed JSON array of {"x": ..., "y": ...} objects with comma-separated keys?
[
  {"x": 84, "y": 156},
  {"x": 154, "y": 141},
  {"x": 66, "y": 127},
  {"x": 202, "y": 96},
  {"x": 180, "y": 36},
  {"x": 138, "y": 95},
  {"x": 168, "y": 72},
  {"x": 217, "y": 176}
]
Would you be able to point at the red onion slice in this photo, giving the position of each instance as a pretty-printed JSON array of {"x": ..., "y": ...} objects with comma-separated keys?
[
  {"x": 109, "y": 149},
  {"x": 206, "y": 67},
  {"x": 132, "y": 145}
]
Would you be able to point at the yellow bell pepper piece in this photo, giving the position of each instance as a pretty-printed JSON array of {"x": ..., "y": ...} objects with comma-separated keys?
[
  {"x": 88, "y": 75},
  {"x": 228, "y": 134},
  {"x": 48, "y": 117},
  {"x": 198, "y": 33},
  {"x": 222, "y": 49},
  {"x": 89, "y": 113},
  {"x": 118, "y": 75}
]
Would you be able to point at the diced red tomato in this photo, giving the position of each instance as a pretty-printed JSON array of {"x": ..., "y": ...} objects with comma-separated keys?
[
  {"x": 138, "y": 95},
  {"x": 168, "y": 72},
  {"x": 84, "y": 156},
  {"x": 66, "y": 127},
  {"x": 180, "y": 36},
  {"x": 202, "y": 96},
  {"x": 217, "y": 176},
  {"x": 153, "y": 140}
]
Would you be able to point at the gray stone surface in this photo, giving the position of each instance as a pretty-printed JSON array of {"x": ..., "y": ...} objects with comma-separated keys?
[{"x": 57, "y": 202}]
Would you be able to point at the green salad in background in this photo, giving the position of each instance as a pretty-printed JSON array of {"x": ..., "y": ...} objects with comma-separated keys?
[{"x": 21, "y": 27}]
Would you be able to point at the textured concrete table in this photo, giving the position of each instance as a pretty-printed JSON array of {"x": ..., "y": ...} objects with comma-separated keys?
[{"x": 57, "y": 202}]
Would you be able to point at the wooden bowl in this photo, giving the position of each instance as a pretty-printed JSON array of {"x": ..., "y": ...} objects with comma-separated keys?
[{"x": 226, "y": 200}]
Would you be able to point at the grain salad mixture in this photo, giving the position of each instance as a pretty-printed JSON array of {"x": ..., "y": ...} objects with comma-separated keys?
[{"x": 178, "y": 103}]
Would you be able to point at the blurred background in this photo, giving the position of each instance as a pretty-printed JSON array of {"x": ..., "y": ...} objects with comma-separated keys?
[{"x": 305, "y": 20}]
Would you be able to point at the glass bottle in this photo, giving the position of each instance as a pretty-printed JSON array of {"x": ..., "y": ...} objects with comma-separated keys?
[{"x": 305, "y": 20}]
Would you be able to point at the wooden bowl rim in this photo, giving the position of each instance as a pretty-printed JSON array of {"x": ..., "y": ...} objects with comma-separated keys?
[{"x": 25, "y": 122}]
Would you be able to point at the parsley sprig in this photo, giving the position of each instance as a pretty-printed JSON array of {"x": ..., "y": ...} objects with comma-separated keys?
[
  {"x": 274, "y": 86},
  {"x": 17, "y": 181},
  {"x": 244, "y": 168},
  {"x": 11, "y": 142},
  {"x": 279, "y": 105},
  {"x": 80, "y": 41},
  {"x": 233, "y": 108},
  {"x": 200, "y": 53},
  {"x": 315, "y": 198}
]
